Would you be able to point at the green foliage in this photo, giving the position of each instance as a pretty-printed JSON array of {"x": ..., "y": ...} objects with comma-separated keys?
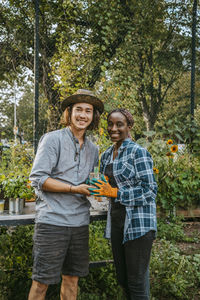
[
  {"x": 175, "y": 115},
  {"x": 184, "y": 131},
  {"x": 177, "y": 173},
  {"x": 15, "y": 262},
  {"x": 15, "y": 167},
  {"x": 171, "y": 229},
  {"x": 17, "y": 160},
  {"x": 103, "y": 140},
  {"x": 16, "y": 187},
  {"x": 173, "y": 276},
  {"x": 24, "y": 97},
  {"x": 136, "y": 49},
  {"x": 130, "y": 48},
  {"x": 178, "y": 182}
]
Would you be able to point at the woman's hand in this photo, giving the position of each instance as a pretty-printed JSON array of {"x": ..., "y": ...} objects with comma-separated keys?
[{"x": 103, "y": 188}]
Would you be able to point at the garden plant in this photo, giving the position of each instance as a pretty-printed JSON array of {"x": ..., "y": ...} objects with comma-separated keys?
[
  {"x": 136, "y": 55},
  {"x": 174, "y": 274}
]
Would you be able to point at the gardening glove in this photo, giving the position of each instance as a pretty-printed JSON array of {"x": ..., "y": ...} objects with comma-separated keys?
[
  {"x": 88, "y": 181},
  {"x": 104, "y": 189}
]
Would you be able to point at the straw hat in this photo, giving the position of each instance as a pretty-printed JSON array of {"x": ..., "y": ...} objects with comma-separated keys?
[{"x": 83, "y": 96}]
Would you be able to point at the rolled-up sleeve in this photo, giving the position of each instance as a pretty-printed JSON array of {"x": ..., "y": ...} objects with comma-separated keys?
[
  {"x": 142, "y": 188},
  {"x": 45, "y": 161}
]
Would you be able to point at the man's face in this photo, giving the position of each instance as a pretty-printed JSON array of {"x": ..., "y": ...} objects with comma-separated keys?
[{"x": 82, "y": 115}]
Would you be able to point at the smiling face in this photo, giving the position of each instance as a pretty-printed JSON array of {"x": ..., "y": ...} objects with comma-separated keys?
[
  {"x": 81, "y": 116},
  {"x": 118, "y": 128}
]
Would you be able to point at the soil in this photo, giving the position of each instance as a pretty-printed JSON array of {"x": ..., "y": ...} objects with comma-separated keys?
[{"x": 192, "y": 230}]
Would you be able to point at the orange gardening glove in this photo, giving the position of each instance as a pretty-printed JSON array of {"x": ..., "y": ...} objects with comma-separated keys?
[{"x": 104, "y": 189}]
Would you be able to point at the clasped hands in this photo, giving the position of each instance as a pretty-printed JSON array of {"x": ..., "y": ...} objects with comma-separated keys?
[{"x": 103, "y": 188}]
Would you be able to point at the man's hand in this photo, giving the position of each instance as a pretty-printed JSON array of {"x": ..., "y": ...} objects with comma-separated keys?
[
  {"x": 81, "y": 189},
  {"x": 56, "y": 186}
]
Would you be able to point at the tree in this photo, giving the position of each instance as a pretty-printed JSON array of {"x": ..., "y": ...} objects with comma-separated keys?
[
  {"x": 138, "y": 46},
  {"x": 24, "y": 112},
  {"x": 17, "y": 43}
]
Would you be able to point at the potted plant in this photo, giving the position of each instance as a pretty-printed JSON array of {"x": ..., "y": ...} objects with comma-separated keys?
[{"x": 17, "y": 189}]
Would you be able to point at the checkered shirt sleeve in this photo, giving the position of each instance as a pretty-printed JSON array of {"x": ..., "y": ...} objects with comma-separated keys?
[{"x": 137, "y": 188}]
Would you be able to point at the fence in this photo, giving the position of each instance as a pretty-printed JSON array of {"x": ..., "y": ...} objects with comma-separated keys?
[{"x": 132, "y": 53}]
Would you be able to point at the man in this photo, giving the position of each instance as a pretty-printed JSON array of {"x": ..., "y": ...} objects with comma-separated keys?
[{"x": 61, "y": 167}]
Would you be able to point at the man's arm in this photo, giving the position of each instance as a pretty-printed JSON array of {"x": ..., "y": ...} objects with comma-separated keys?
[
  {"x": 45, "y": 161},
  {"x": 55, "y": 186}
]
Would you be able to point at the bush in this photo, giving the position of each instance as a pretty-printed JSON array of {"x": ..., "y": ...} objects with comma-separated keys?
[
  {"x": 171, "y": 229},
  {"x": 177, "y": 174},
  {"x": 173, "y": 276},
  {"x": 15, "y": 262}
]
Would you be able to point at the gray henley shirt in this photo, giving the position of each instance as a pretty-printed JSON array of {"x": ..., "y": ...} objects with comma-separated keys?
[{"x": 59, "y": 156}]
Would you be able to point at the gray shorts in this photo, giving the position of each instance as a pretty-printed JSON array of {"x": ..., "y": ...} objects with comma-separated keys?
[{"x": 59, "y": 250}]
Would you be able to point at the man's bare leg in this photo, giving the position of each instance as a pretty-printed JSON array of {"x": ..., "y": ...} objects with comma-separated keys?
[
  {"x": 69, "y": 287},
  {"x": 38, "y": 291}
]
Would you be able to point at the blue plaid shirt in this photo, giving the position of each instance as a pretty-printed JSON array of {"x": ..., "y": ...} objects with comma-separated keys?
[{"x": 137, "y": 188}]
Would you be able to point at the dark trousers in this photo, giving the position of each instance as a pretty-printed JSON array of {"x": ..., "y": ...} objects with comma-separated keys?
[{"x": 132, "y": 261}]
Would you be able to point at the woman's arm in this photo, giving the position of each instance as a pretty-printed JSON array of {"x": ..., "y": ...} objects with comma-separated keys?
[{"x": 142, "y": 188}]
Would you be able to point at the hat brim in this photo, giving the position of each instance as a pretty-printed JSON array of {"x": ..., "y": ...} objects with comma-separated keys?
[{"x": 82, "y": 98}]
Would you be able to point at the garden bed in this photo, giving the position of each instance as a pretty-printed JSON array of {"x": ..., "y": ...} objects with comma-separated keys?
[
  {"x": 189, "y": 213},
  {"x": 192, "y": 230}
]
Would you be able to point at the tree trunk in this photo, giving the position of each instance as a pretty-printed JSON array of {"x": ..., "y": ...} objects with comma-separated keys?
[{"x": 52, "y": 95}]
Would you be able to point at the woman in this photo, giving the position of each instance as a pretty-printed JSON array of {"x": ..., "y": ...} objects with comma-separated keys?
[{"x": 132, "y": 188}]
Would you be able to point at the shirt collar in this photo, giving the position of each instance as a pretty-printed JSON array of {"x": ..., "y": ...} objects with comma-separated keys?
[
  {"x": 73, "y": 138},
  {"x": 124, "y": 144}
]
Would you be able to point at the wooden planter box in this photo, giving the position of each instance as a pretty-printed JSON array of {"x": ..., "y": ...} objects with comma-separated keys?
[
  {"x": 193, "y": 212},
  {"x": 189, "y": 213}
]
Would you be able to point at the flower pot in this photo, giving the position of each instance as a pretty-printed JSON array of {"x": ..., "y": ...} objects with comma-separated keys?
[
  {"x": 2, "y": 206},
  {"x": 16, "y": 206}
]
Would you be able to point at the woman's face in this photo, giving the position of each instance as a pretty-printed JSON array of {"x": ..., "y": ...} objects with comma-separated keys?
[{"x": 118, "y": 128}]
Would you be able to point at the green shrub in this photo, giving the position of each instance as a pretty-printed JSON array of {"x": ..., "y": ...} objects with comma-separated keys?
[
  {"x": 173, "y": 276},
  {"x": 17, "y": 160},
  {"x": 177, "y": 174},
  {"x": 15, "y": 262},
  {"x": 171, "y": 229}
]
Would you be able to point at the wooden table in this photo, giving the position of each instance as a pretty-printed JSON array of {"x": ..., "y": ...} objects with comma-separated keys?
[{"x": 28, "y": 216}]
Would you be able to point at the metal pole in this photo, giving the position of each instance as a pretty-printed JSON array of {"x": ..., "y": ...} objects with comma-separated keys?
[
  {"x": 36, "y": 75},
  {"x": 193, "y": 59},
  {"x": 15, "y": 119}
]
